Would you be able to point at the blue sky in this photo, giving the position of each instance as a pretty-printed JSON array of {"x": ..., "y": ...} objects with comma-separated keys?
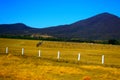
[{"x": 46, "y": 13}]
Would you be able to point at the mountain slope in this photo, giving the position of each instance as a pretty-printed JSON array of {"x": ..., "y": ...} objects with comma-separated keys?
[
  {"x": 100, "y": 27},
  {"x": 14, "y": 29}
]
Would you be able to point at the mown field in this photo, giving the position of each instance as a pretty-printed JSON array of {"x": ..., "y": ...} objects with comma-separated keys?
[{"x": 14, "y": 66}]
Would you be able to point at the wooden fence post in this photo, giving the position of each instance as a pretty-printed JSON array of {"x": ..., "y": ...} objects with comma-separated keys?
[
  {"x": 22, "y": 51},
  {"x": 39, "y": 53},
  {"x": 79, "y": 57},
  {"x": 58, "y": 56},
  {"x": 102, "y": 59},
  {"x": 6, "y": 50}
]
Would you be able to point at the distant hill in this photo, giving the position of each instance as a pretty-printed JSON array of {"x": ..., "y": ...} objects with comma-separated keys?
[
  {"x": 15, "y": 29},
  {"x": 99, "y": 27}
]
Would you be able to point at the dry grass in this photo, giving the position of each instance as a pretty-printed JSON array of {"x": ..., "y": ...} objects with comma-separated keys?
[{"x": 14, "y": 66}]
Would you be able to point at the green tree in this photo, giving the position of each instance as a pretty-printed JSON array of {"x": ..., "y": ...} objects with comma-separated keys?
[{"x": 113, "y": 41}]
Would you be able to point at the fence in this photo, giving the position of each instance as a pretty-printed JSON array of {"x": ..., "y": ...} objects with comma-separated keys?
[{"x": 78, "y": 57}]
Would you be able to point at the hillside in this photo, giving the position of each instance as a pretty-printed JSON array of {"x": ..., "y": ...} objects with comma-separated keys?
[
  {"x": 15, "y": 29},
  {"x": 99, "y": 27}
]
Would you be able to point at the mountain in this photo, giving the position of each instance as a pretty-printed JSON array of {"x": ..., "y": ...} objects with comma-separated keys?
[
  {"x": 99, "y": 27},
  {"x": 14, "y": 29}
]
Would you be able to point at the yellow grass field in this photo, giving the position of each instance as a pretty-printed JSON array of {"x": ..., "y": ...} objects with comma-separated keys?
[{"x": 14, "y": 66}]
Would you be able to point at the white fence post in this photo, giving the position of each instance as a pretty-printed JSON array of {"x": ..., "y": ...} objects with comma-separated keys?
[
  {"x": 6, "y": 50},
  {"x": 39, "y": 53},
  {"x": 58, "y": 56},
  {"x": 79, "y": 57},
  {"x": 22, "y": 51},
  {"x": 102, "y": 59}
]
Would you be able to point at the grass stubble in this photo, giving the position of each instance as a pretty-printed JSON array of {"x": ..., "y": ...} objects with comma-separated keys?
[{"x": 14, "y": 66}]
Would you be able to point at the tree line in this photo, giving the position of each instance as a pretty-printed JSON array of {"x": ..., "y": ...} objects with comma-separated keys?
[{"x": 110, "y": 41}]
